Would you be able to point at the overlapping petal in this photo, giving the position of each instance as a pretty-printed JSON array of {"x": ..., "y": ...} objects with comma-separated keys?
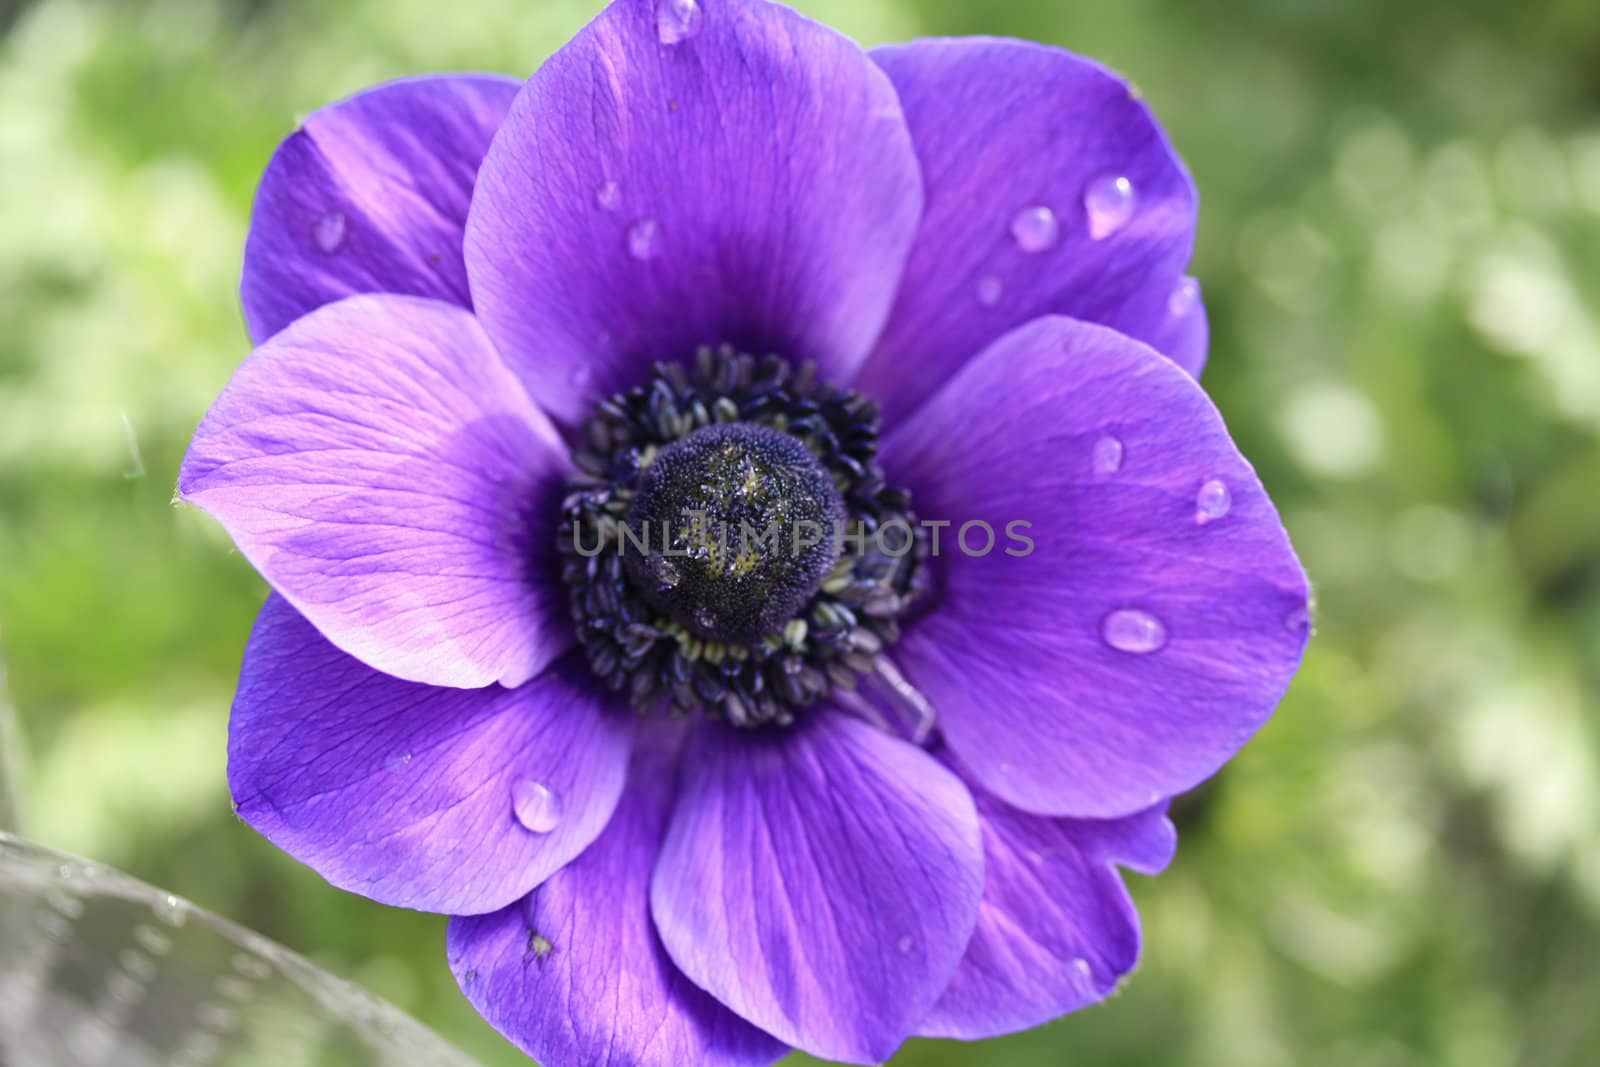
[
  {"x": 681, "y": 175},
  {"x": 1003, "y": 128},
  {"x": 383, "y": 470},
  {"x": 575, "y": 973},
  {"x": 370, "y": 195},
  {"x": 1057, "y": 929},
  {"x": 407, "y": 793},
  {"x": 821, "y": 881},
  {"x": 1174, "y": 323},
  {"x": 1158, "y": 615}
]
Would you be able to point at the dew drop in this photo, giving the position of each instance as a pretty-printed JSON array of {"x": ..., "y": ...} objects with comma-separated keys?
[
  {"x": 1212, "y": 502},
  {"x": 609, "y": 196},
  {"x": 1109, "y": 202},
  {"x": 990, "y": 290},
  {"x": 1298, "y": 621},
  {"x": 1081, "y": 965},
  {"x": 1185, "y": 295},
  {"x": 537, "y": 806},
  {"x": 678, "y": 20},
  {"x": 1132, "y": 630},
  {"x": 1107, "y": 458},
  {"x": 171, "y": 910},
  {"x": 643, "y": 239},
  {"x": 666, "y": 573},
  {"x": 906, "y": 944},
  {"x": 329, "y": 231},
  {"x": 1035, "y": 229}
]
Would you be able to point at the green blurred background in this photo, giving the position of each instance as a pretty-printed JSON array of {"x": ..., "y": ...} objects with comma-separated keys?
[{"x": 1400, "y": 246}]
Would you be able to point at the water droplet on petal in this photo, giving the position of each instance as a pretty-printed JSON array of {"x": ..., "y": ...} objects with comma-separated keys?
[
  {"x": 678, "y": 20},
  {"x": 1109, "y": 202},
  {"x": 537, "y": 806},
  {"x": 642, "y": 239},
  {"x": 906, "y": 944},
  {"x": 609, "y": 196},
  {"x": 990, "y": 290},
  {"x": 1185, "y": 295},
  {"x": 1081, "y": 965},
  {"x": 1298, "y": 621},
  {"x": 329, "y": 232},
  {"x": 1135, "y": 631},
  {"x": 1212, "y": 502},
  {"x": 1107, "y": 457},
  {"x": 1035, "y": 229}
]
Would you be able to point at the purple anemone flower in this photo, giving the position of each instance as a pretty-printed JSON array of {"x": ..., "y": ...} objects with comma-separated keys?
[{"x": 693, "y": 800}]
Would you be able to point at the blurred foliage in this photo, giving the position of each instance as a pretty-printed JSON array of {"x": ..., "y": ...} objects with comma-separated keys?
[{"x": 1400, "y": 247}]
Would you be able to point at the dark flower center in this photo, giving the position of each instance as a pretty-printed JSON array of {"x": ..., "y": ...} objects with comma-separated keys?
[
  {"x": 734, "y": 529},
  {"x": 724, "y": 546}
]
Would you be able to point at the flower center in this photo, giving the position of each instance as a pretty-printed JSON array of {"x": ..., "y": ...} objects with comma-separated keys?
[
  {"x": 733, "y": 528},
  {"x": 725, "y": 545}
]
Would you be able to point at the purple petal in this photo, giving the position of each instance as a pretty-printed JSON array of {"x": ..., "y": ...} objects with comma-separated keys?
[
  {"x": 413, "y": 795},
  {"x": 1160, "y": 613},
  {"x": 384, "y": 471},
  {"x": 575, "y": 974},
  {"x": 821, "y": 881},
  {"x": 370, "y": 195},
  {"x": 752, "y": 182},
  {"x": 1173, "y": 322},
  {"x": 1056, "y": 929},
  {"x": 1018, "y": 141}
]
